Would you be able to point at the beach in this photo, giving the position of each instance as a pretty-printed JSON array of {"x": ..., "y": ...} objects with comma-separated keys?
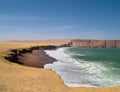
[
  {"x": 38, "y": 58},
  {"x": 20, "y": 78}
]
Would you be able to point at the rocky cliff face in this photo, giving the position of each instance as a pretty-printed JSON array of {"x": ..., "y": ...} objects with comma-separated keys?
[
  {"x": 117, "y": 43},
  {"x": 110, "y": 44},
  {"x": 96, "y": 43},
  {"x": 80, "y": 43}
]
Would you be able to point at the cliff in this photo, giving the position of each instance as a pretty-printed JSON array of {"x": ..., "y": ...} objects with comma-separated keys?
[
  {"x": 18, "y": 78},
  {"x": 95, "y": 43},
  {"x": 33, "y": 56},
  {"x": 117, "y": 43}
]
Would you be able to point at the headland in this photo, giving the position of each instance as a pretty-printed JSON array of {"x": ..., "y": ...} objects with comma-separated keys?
[{"x": 17, "y": 78}]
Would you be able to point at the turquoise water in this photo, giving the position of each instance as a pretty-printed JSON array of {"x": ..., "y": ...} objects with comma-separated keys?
[
  {"x": 87, "y": 66},
  {"x": 104, "y": 63}
]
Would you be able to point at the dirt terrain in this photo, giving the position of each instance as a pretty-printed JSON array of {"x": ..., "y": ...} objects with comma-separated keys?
[{"x": 18, "y": 78}]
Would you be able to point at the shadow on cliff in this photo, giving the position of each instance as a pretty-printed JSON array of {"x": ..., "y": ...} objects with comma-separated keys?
[{"x": 14, "y": 53}]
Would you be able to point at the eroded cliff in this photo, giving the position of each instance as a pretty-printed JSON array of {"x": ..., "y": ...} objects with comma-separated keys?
[{"x": 95, "y": 43}]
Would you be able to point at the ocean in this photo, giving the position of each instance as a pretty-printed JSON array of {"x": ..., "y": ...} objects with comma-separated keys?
[{"x": 93, "y": 67}]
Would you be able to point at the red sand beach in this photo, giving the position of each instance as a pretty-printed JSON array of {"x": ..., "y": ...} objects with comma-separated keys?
[{"x": 38, "y": 58}]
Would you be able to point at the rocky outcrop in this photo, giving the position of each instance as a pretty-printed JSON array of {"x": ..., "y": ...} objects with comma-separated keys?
[{"x": 95, "y": 43}]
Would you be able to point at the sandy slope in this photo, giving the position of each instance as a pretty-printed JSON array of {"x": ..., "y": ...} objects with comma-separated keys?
[{"x": 17, "y": 78}]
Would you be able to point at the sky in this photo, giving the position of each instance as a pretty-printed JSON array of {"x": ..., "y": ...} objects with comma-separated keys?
[{"x": 59, "y": 19}]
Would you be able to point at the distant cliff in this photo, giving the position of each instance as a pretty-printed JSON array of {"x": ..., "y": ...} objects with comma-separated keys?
[{"x": 95, "y": 43}]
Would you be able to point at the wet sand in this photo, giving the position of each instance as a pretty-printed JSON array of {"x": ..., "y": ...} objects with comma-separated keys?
[{"x": 38, "y": 58}]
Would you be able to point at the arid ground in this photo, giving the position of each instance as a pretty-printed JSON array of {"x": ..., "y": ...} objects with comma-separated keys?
[{"x": 18, "y": 78}]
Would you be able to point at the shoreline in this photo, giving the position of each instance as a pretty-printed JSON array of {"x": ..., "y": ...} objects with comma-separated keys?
[
  {"x": 17, "y": 78},
  {"x": 32, "y": 57},
  {"x": 38, "y": 58},
  {"x": 75, "y": 73}
]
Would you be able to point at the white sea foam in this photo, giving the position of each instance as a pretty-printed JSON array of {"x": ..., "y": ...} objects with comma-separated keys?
[
  {"x": 78, "y": 72},
  {"x": 73, "y": 73}
]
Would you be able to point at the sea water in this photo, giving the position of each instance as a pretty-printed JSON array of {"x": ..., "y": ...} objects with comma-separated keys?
[{"x": 87, "y": 66}]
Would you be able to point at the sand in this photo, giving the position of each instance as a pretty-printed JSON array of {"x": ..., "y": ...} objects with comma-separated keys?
[
  {"x": 18, "y": 78},
  {"x": 38, "y": 58}
]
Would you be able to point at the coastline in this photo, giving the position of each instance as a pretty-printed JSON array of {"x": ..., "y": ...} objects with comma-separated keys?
[
  {"x": 14, "y": 77},
  {"x": 77, "y": 70},
  {"x": 38, "y": 58},
  {"x": 33, "y": 57}
]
